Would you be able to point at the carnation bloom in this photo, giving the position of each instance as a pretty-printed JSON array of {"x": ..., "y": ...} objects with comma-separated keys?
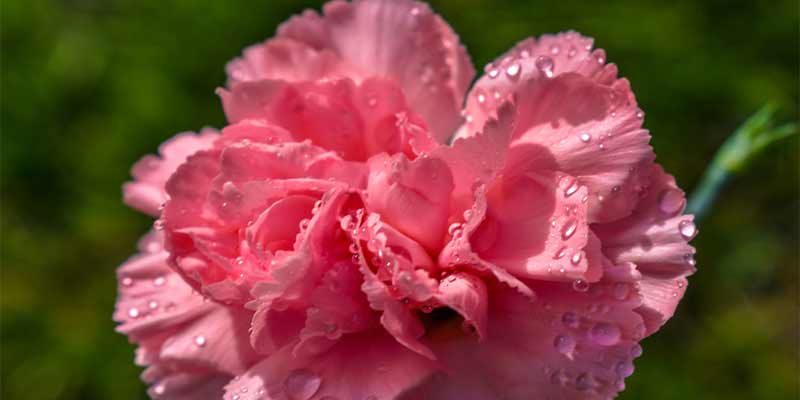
[{"x": 330, "y": 244}]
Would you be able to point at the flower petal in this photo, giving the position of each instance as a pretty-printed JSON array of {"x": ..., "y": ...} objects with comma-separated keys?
[
  {"x": 146, "y": 193},
  {"x": 466, "y": 294},
  {"x": 655, "y": 237},
  {"x": 402, "y": 40},
  {"x": 192, "y": 346},
  {"x": 556, "y": 347},
  {"x": 412, "y": 196},
  {"x": 358, "y": 366},
  {"x": 354, "y": 120}
]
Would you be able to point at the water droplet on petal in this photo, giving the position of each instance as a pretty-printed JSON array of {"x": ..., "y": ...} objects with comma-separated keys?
[
  {"x": 560, "y": 253},
  {"x": 545, "y": 64},
  {"x": 605, "y": 334},
  {"x": 569, "y": 191},
  {"x": 152, "y": 304},
  {"x": 670, "y": 201},
  {"x": 586, "y": 137},
  {"x": 555, "y": 49},
  {"x": 127, "y": 281},
  {"x": 493, "y": 73},
  {"x": 513, "y": 71},
  {"x": 636, "y": 350},
  {"x": 571, "y": 53},
  {"x": 639, "y": 114},
  {"x": 159, "y": 281},
  {"x": 200, "y": 341},
  {"x": 569, "y": 229},
  {"x": 689, "y": 258},
  {"x": 620, "y": 291},
  {"x": 576, "y": 258},
  {"x": 454, "y": 229},
  {"x": 580, "y": 285},
  {"x": 624, "y": 369},
  {"x": 481, "y": 98},
  {"x": 301, "y": 384},
  {"x": 564, "y": 344},
  {"x": 687, "y": 229},
  {"x": 133, "y": 312},
  {"x": 570, "y": 319}
]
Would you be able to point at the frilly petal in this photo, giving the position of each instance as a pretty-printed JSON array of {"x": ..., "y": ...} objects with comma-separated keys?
[
  {"x": 402, "y": 40},
  {"x": 146, "y": 193},
  {"x": 412, "y": 196},
  {"x": 562, "y": 346},
  {"x": 656, "y": 238},
  {"x": 359, "y": 366}
]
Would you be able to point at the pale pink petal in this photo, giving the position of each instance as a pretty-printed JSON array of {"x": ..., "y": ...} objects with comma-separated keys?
[
  {"x": 581, "y": 113},
  {"x": 284, "y": 59},
  {"x": 402, "y": 40},
  {"x": 458, "y": 251},
  {"x": 358, "y": 366},
  {"x": 146, "y": 193},
  {"x": 534, "y": 58},
  {"x": 413, "y": 196},
  {"x": 192, "y": 346},
  {"x": 467, "y": 295},
  {"x": 355, "y": 121},
  {"x": 565, "y": 345},
  {"x": 477, "y": 159},
  {"x": 655, "y": 237}
]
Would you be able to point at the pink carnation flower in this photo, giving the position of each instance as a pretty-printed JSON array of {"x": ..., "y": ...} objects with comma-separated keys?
[{"x": 328, "y": 244}]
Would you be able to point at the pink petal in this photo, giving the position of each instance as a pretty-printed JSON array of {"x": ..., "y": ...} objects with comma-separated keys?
[
  {"x": 146, "y": 193},
  {"x": 655, "y": 237},
  {"x": 565, "y": 345},
  {"x": 459, "y": 252},
  {"x": 402, "y": 40},
  {"x": 192, "y": 346},
  {"x": 284, "y": 59},
  {"x": 412, "y": 196},
  {"x": 355, "y": 121},
  {"x": 582, "y": 113},
  {"x": 356, "y": 367},
  {"x": 467, "y": 295}
]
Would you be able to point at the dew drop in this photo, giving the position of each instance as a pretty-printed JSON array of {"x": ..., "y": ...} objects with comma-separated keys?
[
  {"x": 639, "y": 114},
  {"x": 615, "y": 189},
  {"x": 620, "y": 291},
  {"x": 586, "y": 137},
  {"x": 200, "y": 341},
  {"x": 454, "y": 229},
  {"x": 580, "y": 285},
  {"x": 513, "y": 71},
  {"x": 569, "y": 191},
  {"x": 133, "y": 312},
  {"x": 159, "y": 281},
  {"x": 493, "y": 73},
  {"x": 158, "y": 224},
  {"x": 127, "y": 281},
  {"x": 636, "y": 350},
  {"x": 555, "y": 49},
  {"x": 570, "y": 319},
  {"x": 481, "y": 98},
  {"x": 159, "y": 389},
  {"x": 670, "y": 201},
  {"x": 689, "y": 258},
  {"x": 687, "y": 229},
  {"x": 576, "y": 258},
  {"x": 605, "y": 334},
  {"x": 414, "y": 11},
  {"x": 301, "y": 384},
  {"x": 545, "y": 64},
  {"x": 624, "y": 369},
  {"x": 569, "y": 229},
  {"x": 560, "y": 253},
  {"x": 571, "y": 53},
  {"x": 152, "y": 304},
  {"x": 564, "y": 344}
]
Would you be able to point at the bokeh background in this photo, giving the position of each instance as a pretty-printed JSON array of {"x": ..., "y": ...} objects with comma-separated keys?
[{"x": 90, "y": 86}]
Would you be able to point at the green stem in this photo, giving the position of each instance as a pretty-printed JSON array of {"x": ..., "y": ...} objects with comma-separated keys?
[{"x": 753, "y": 136}]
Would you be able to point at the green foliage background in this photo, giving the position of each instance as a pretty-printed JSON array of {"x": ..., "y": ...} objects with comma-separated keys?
[{"x": 90, "y": 86}]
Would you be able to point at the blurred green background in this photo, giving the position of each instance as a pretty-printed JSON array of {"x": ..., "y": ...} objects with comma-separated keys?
[{"x": 90, "y": 86}]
